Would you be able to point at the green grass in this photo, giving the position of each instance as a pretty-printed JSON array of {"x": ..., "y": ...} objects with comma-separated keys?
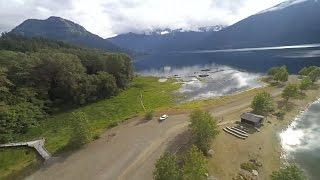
[{"x": 102, "y": 115}]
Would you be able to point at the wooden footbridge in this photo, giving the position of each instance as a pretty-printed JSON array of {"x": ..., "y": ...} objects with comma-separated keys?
[{"x": 38, "y": 145}]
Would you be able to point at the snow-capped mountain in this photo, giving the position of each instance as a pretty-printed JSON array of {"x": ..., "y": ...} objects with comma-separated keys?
[
  {"x": 163, "y": 39},
  {"x": 165, "y": 31},
  {"x": 215, "y": 28},
  {"x": 289, "y": 23},
  {"x": 284, "y": 5}
]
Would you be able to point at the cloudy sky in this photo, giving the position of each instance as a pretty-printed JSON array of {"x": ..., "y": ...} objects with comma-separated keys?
[{"x": 110, "y": 17}]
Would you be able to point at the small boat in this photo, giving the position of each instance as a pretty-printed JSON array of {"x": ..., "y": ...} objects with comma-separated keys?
[
  {"x": 203, "y": 75},
  {"x": 204, "y": 70}
]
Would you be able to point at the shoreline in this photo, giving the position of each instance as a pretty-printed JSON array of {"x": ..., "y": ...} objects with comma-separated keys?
[
  {"x": 284, "y": 153},
  {"x": 230, "y": 107},
  {"x": 266, "y": 145}
]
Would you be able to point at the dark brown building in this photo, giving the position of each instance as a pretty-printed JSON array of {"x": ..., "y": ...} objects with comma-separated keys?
[{"x": 252, "y": 119}]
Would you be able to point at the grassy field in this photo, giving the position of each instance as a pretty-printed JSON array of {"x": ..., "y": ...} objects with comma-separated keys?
[{"x": 102, "y": 115}]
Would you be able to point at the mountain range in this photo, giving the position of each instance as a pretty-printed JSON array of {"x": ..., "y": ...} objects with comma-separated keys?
[
  {"x": 163, "y": 39},
  {"x": 57, "y": 28},
  {"x": 289, "y": 23}
]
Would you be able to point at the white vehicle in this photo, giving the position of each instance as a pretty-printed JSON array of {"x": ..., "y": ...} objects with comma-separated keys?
[{"x": 164, "y": 117}]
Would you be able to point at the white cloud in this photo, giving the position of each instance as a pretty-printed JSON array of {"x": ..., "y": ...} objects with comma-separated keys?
[{"x": 109, "y": 17}]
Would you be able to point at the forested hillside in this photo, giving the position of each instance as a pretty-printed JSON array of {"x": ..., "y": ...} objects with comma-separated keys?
[
  {"x": 37, "y": 76},
  {"x": 57, "y": 28}
]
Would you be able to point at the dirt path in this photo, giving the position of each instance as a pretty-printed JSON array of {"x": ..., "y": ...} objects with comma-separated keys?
[
  {"x": 125, "y": 152},
  {"x": 130, "y": 150}
]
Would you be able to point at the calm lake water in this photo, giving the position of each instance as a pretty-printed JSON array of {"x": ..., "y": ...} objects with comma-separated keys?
[
  {"x": 301, "y": 141},
  {"x": 231, "y": 70},
  {"x": 255, "y": 61},
  {"x": 237, "y": 70}
]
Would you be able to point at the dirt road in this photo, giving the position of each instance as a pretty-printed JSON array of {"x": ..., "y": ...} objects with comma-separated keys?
[{"x": 130, "y": 150}]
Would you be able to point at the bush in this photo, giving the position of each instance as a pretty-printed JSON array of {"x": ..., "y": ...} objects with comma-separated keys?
[
  {"x": 149, "y": 115},
  {"x": 280, "y": 115},
  {"x": 288, "y": 173},
  {"x": 314, "y": 75},
  {"x": 305, "y": 83},
  {"x": 204, "y": 128},
  {"x": 290, "y": 91},
  {"x": 194, "y": 165},
  {"x": 313, "y": 72},
  {"x": 279, "y": 73},
  {"x": 166, "y": 168},
  {"x": 80, "y": 129},
  {"x": 306, "y": 70},
  {"x": 249, "y": 166}
]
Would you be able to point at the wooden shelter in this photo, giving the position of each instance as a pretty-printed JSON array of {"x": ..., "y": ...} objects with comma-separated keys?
[{"x": 252, "y": 119}]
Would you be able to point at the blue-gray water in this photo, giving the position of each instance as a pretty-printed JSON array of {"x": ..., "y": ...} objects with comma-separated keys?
[
  {"x": 256, "y": 60},
  {"x": 232, "y": 70},
  {"x": 301, "y": 141}
]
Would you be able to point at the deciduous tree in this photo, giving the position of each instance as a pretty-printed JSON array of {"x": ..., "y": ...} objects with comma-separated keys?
[
  {"x": 194, "y": 165},
  {"x": 167, "y": 168},
  {"x": 204, "y": 128},
  {"x": 262, "y": 104},
  {"x": 290, "y": 91}
]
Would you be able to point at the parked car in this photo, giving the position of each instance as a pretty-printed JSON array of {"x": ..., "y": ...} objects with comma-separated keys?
[{"x": 163, "y": 117}]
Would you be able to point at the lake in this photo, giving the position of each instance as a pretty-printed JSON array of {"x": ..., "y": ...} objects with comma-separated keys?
[
  {"x": 231, "y": 70},
  {"x": 301, "y": 141},
  {"x": 251, "y": 60}
]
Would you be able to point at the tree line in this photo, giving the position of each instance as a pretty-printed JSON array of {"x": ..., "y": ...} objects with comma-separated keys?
[
  {"x": 263, "y": 103},
  {"x": 37, "y": 76}
]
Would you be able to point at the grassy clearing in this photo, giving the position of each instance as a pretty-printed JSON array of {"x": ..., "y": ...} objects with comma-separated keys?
[{"x": 102, "y": 115}]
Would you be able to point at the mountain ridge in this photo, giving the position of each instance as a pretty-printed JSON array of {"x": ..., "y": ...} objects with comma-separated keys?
[
  {"x": 58, "y": 28},
  {"x": 289, "y": 23},
  {"x": 160, "y": 40}
]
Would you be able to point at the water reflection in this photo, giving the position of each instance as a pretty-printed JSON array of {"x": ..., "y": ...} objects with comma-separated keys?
[
  {"x": 202, "y": 82},
  {"x": 301, "y": 141}
]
